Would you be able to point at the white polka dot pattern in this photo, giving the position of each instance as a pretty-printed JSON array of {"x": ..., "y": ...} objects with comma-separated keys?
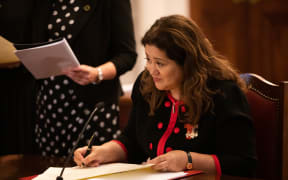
[
  {"x": 76, "y": 9},
  {"x": 58, "y": 20},
  {"x": 67, "y": 14},
  {"x": 58, "y": 129},
  {"x": 50, "y": 26},
  {"x": 69, "y": 36}
]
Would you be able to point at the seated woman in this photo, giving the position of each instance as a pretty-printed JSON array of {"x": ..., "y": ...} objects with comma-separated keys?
[{"x": 189, "y": 108}]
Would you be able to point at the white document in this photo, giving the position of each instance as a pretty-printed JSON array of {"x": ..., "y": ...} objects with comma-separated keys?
[
  {"x": 109, "y": 171},
  {"x": 49, "y": 59},
  {"x": 142, "y": 174}
]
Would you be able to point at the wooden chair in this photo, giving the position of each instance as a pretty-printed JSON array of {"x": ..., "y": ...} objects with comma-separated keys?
[
  {"x": 269, "y": 108},
  {"x": 125, "y": 104}
]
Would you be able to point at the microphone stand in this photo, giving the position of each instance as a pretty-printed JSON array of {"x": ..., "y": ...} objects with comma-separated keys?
[{"x": 97, "y": 107}]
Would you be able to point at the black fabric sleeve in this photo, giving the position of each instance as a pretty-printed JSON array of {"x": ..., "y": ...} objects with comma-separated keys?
[
  {"x": 129, "y": 136},
  {"x": 123, "y": 42},
  {"x": 235, "y": 139}
]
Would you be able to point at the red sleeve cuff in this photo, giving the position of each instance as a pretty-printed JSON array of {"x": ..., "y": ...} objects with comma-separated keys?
[
  {"x": 122, "y": 146},
  {"x": 28, "y": 177},
  {"x": 217, "y": 165}
]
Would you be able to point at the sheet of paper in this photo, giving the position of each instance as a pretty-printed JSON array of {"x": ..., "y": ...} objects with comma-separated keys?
[
  {"x": 84, "y": 173},
  {"x": 48, "y": 60},
  {"x": 7, "y": 49},
  {"x": 142, "y": 174}
]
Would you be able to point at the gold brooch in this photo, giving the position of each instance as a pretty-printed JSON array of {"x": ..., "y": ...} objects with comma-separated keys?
[{"x": 192, "y": 131}]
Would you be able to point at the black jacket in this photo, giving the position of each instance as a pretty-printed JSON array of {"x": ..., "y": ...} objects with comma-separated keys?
[{"x": 227, "y": 133}]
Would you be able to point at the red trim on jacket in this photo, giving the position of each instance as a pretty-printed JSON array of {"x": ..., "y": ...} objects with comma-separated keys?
[
  {"x": 122, "y": 146},
  {"x": 171, "y": 125},
  {"x": 217, "y": 165},
  {"x": 28, "y": 177}
]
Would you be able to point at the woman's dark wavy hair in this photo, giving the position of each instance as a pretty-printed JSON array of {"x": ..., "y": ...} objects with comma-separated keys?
[{"x": 183, "y": 41}]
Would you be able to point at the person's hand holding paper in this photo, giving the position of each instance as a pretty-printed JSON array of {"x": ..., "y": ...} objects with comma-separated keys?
[
  {"x": 49, "y": 59},
  {"x": 82, "y": 74},
  {"x": 85, "y": 74}
]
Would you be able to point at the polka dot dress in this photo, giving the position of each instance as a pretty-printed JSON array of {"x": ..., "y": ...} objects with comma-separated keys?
[{"x": 61, "y": 114}]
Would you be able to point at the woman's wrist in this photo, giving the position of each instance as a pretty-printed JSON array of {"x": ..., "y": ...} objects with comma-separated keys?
[{"x": 99, "y": 77}]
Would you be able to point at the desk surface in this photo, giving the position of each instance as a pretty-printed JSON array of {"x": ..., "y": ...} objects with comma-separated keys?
[{"x": 13, "y": 167}]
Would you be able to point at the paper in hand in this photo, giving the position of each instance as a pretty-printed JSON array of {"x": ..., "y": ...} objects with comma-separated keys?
[{"x": 47, "y": 59}]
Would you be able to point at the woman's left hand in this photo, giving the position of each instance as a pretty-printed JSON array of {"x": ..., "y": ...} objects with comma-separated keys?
[
  {"x": 82, "y": 74},
  {"x": 172, "y": 161}
]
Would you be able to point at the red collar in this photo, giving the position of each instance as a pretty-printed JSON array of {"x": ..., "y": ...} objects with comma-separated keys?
[{"x": 173, "y": 100}]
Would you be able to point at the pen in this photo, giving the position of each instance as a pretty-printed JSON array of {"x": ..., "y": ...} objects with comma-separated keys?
[
  {"x": 88, "y": 151},
  {"x": 90, "y": 143}
]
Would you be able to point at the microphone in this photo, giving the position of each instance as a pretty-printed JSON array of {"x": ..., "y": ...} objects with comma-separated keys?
[{"x": 97, "y": 107}]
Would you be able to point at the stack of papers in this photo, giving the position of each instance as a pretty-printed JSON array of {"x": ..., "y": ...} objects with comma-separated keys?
[
  {"x": 119, "y": 171},
  {"x": 46, "y": 59}
]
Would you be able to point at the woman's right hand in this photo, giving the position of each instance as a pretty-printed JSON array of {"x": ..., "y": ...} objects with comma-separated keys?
[
  {"x": 108, "y": 152},
  {"x": 95, "y": 158}
]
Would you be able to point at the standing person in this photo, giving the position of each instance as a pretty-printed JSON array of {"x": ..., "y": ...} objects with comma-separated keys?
[
  {"x": 101, "y": 35},
  {"x": 189, "y": 108},
  {"x": 17, "y": 95}
]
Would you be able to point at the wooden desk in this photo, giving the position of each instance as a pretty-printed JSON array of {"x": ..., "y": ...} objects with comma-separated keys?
[{"x": 13, "y": 167}]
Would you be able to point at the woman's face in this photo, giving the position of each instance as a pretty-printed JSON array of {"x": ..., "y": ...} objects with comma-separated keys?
[{"x": 167, "y": 75}]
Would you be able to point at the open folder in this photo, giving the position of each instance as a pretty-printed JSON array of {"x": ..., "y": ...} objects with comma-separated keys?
[
  {"x": 7, "y": 56},
  {"x": 46, "y": 59},
  {"x": 119, "y": 171}
]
